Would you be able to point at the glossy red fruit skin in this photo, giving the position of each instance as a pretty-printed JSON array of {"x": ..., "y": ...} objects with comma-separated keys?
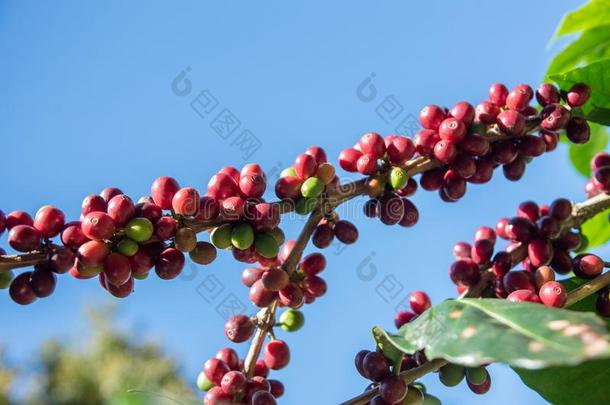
[
  {"x": 464, "y": 165},
  {"x": 452, "y": 129},
  {"x": 313, "y": 264},
  {"x": 462, "y": 250},
  {"x": 252, "y": 185},
  {"x": 399, "y": 150},
  {"x": 578, "y": 95},
  {"x": 519, "y": 97},
  {"x": 315, "y": 286},
  {"x": 600, "y": 159},
  {"x": 49, "y": 221},
  {"x": 540, "y": 252},
  {"x": 110, "y": 192},
  {"x": 117, "y": 269},
  {"x": 424, "y": 142},
  {"x": 432, "y": 180},
  {"x": 169, "y": 264},
  {"x": 92, "y": 203},
  {"x": 373, "y": 143},
  {"x": 419, "y": 302},
  {"x": 121, "y": 209},
  {"x": 391, "y": 209},
  {"x": 464, "y": 112},
  {"x": 216, "y": 396},
  {"x": 403, "y": 317},
  {"x": 587, "y": 265},
  {"x": 239, "y": 328},
  {"x": 18, "y": 218},
  {"x": 486, "y": 113},
  {"x": 43, "y": 282},
  {"x": 519, "y": 280},
  {"x": 229, "y": 356},
  {"x": 485, "y": 232},
  {"x": 529, "y": 210},
  {"x": 263, "y": 398},
  {"x": 148, "y": 210},
  {"x": 215, "y": 369},
  {"x": 520, "y": 229},
  {"x": 186, "y": 202},
  {"x": 275, "y": 279},
  {"x": 276, "y": 354},
  {"x": 24, "y": 238},
  {"x": 289, "y": 187},
  {"x": 531, "y": 145},
  {"x": 393, "y": 389},
  {"x": 318, "y": 154},
  {"x": 411, "y": 214},
  {"x": 547, "y": 94},
  {"x": 348, "y": 159},
  {"x": 553, "y": 294},
  {"x": 234, "y": 383},
  {"x": 375, "y": 366},
  {"x": 445, "y": 151},
  {"x": 503, "y": 152},
  {"x": 555, "y": 117},
  {"x": 523, "y": 296},
  {"x": 21, "y": 290},
  {"x": 231, "y": 172},
  {"x": 511, "y": 122},
  {"x": 93, "y": 253},
  {"x": 464, "y": 272},
  {"x": 455, "y": 185},
  {"x": 261, "y": 296},
  {"x": 497, "y": 94},
  {"x": 222, "y": 186},
  {"x": 165, "y": 228},
  {"x": 277, "y": 388},
  {"x": 431, "y": 116},
  {"x": 475, "y": 145},
  {"x": 162, "y": 191},
  {"x": 481, "y": 251},
  {"x": 346, "y": 232},
  {"x": 578, "y": 130},
  {"x": 305, "y": 166},
  {"x": 367, "y": 163},
  {"x": 232, "y": 208},
  {"x": 291, "y": 296},
  {"x": 61, "y": 260},
  {"x": 482, "y": 388},
  {"x": 208, "y": 209},
  {"x": 250, "y": 275},
  {"x": 98, "y": 226}
]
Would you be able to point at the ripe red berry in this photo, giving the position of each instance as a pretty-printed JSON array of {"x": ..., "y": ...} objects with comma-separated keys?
[
  {"x": 323, "y": 236},
  {"x": 515, "y": 170},
  {"x": 424, "y": 142},
  {"x": 462, "y": 250},
  {"x": 393, "y": 389},
  {"x": 221, "y": 186},
  {"x": 375, "y": 366},
  {"x": 229, "y": 356},
  {"x": 431, "y": 116},
  {"x": 432, "y": 180},
  {"x": 540, "y": 252},
  {"x": 486, "y": 113},
  {"x": 475, "y": 145},
  {"x": 148, "y": 210},
  {"x": 374, "y": 144},
  {"x": 214, "y": 370},
  {"x": 24, "y": 238},
  {"x": 252, "y": 185},
  {"x": 305, "y": 166},
  {"x": 346, "y": 232},
  {"x": 481, "y": 251},
  {"x": 519, "y": 97},
  {"x": 61, "y": 260},
  {"x": 234, "y": 383},
  {"x": 464, "y": 165},
  {"x": 169, "y": 264},
  {"x": 289, "y": 187},
  {"x": 318, "y": 154},
  {"x": 43, "y": 282},
  {"x": 511, "y": 122},
  {"x": 560, "y": 209},
  {"x": 93, "y": 253},
  {"x": 464, "y": 112},
  {"x": 547, "y": 94},
  {"x": 239, "y": 328},
  {"x": 523, "y": 296},
  {"x": 518, "y": 280},
  {"x": 503, "y": 152},
  {"x": 121, "y": 209},
  {"x": 348, "y": 159},
  {"x": 216, "y": 396},
  {"x": 578, "y": 130},
  {"x": 162, "y": 191},
  {"x": 117, "y": 269},
  {"x": 263, "y": 398},
  {"x": 186, "y": 201},
  {"x": 464, "y": 272},
  {"x": 452, "y": 129},
  {"x": 445, "y": 151},
  {"x": 529, "y": 210},
  {"x": 313, "y": 264},
  {"x": 400, "y": 149},
  {"x": 21, "y": 290},
  {"x": 291, "y": 296},
  {"x": 587, "y": 265},
  {"x": 391, "y": 209},
  {"x": 531, "y": 145},
  {"x": 454, "y": 186},
  {"x": 98, "y": 226},
  {"x": 18, "y": 218},
  {"x": 411, "y": 214},
  {"x": 275, "y": 279},
  {"x": 419, "y": 302},
  {"x": 555, "y": 117},
  {"x": 49, "y": 221},
  {"x": 93, "y": 203},
  {"x": 367, "y": 163},
  {"x": 110, "y": 192},
  {"x": 578, "y": 95},
  {"x": 553, "y": 294},
  {"x": 497, "y": 94},
  {"x": 485, "y": 232},
  {"x": 261, "y": 296},
  {"x": 277, "y": 388},
  {"x": 484, "y": 172},
  {"x": 276, "y": 354},
  {"x": 231, "y": 172},
  {"x": 403, "y": 317},
  {"x": 548, "y": 227}
]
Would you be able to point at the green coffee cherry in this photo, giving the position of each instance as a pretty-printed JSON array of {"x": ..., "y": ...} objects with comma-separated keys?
[
  {"x": 398, "y": 178},
  {"x": 414, "y": 396},
  {"x": 266, "y": 245},
  {"x": 476, "y": 375},
  {"x": 5, "y": 279},
  {"x": 288, "y": 172},
  {"x": 221, "y": 236},
  {"x": 451, "y": 374},
  {"x": 420, "y": 386},
  {"x": 304, "y": 206},
  {"x": 431, "y": 400},
  {"x": 139, "y": 229},
  {"x": 143, "y": 276},
  {"x": 278, "y": 235},
  {"x": 203, "y": 383},
  {"x": 127, "y": 247},
  {"x": 242, "y": 236},
  {"x": 292, "y": 320},
  {"x": 477, "y": 128},
  {"x": 312, "y": 187}
]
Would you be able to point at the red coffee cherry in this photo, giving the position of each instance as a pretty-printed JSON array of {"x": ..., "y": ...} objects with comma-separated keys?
[
  {"x": 169, "y": 264},
  {"x": 403, "y": 317},
  {"x": 464, "y": 112},
  {"x": 553, "y": 294},
  {"x": 24, "y": 238},
  {"x": 148, "y": 210},
  {"x": 367, "y": 163},
  {"x": 531, "y": 146},
  {"x": 165, "y": 228},
  {"x": 464, "y": 272},
  {"x": 277, "y": 388},
  {"x": 93, "y": 203},
  {"x": 484, "y": 173},
  {"x": 529, "y": 210},
  {"x": 222, "y": 186},
  {"x": 289, "y": 187},
  {"x": 400, "y": 149},
  {"x": 252, "y": 185},
  {"x": 486, "y": 113},
  {"x": 216, "y": 396},
  {"x": 373, "y": 143},
  {"x": 419, "y": 302},
  {"x": 313, "y": 264},
  {"x": 318, "y": 154},
  {"x": 391, "y": 209},
  {"x": 497, "y": 94},
  {"x": 214, "y": 370},
  {"x": 239, "y": 328},
  {"x": 452, "y": 129},
  {"x": 454, "y": 186},
  {"x": 186, "y": 202},
  {"x": 587, "y": 265},
  {"x": 578, "y": 130},
  {"x": 523, "y": 296},
  {"x": 482, "y": 250},
  {"x": 519, "y": 97},
  {"x": 18, "y": 218},
  {"x": 92, "y": 253},
  {"x": 263, "y": 398},
  {"x": 518, "y": 280},
  {"x": 117, "y": 269},
  {"x": 578, "y": 95},
  {"x": 43, "y": 282},
  {"x": 61, "y": 260},
  {"x": 432, "y": 180},
  {"x": 375, "y": 366},
  {"x": 503, "y": 152},
  {"x": 21, "y": 290},
  {"x": 162, "y": 191},
  {"x": 431, "y": 116},
  {"x": 98, "y": 226},
  {"x": 464, "y": 165},
  {"x": 547, "y": 94},
  {"x": 348, "y": 159},
  {"x": 485, "y": 232},
  {"x": 261, "y": 296},
  {"x": 276, "y": 354},
  {"x": 424, "y": 142},
  {"x": 445, "y": 151},
  {"x": 110, "y": 192},
  {"x": 462, "y": 250},
  {"x": 275, "y": 279},
  {"x": 231, "y": 172},
  {"x": 121, "y": 209},
  {"x": 393, "y": 389},
  {"x": 346, "y": 232},
  {"x": 511, "y": 122},
  {"x": 475, "y": 145},
  {"x": 49, "y": 221},
  {"x": 555, "y": 117},
  {"x": 411, "y": 214},
  {"x": 540, "y": 252},
  {"x": 234, "y": 383},
  {"x": 229, "y": 356},
  {"x": 291, "y": 296},
  {"x": 305, "y": 166}
]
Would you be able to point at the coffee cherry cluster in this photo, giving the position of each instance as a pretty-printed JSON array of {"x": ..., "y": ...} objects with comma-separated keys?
[
  {"x": 374, "y": 366},
  {"x": 225, "y": 383},
  {"x": 332, "y": 227},
  {"x": 600, "y": 180},
  {"x": 306, "y": 179}
]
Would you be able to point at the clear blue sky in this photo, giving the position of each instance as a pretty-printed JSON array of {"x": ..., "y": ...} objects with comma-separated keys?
[{"x": 87, "y": 102}]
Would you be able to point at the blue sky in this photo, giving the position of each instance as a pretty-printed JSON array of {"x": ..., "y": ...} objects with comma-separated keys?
[{"x": 88, "y": 102}]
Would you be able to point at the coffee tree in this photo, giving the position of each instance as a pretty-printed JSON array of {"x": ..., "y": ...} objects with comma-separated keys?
[{"x": 513, "y": 305}]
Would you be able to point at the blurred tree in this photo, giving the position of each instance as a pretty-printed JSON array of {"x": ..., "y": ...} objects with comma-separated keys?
[
  {"x": 111, "y": 369},
  {"x": 6, "y": 377}
]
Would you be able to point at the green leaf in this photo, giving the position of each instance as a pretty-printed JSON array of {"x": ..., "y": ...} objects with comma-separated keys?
[
  {"x": 591, "y": 15},
  {"x": 477, "y": 331},
  {"x": 597, "y": 229},
  {"x": 596, "y": 75},
  {"x": 580, "y": 155},
  {"x": 591, "y": 46},
  {"x": 598, "y": 115},
  {"x": 388, "y": 349},
  {"x": 586, "y": 383}
]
